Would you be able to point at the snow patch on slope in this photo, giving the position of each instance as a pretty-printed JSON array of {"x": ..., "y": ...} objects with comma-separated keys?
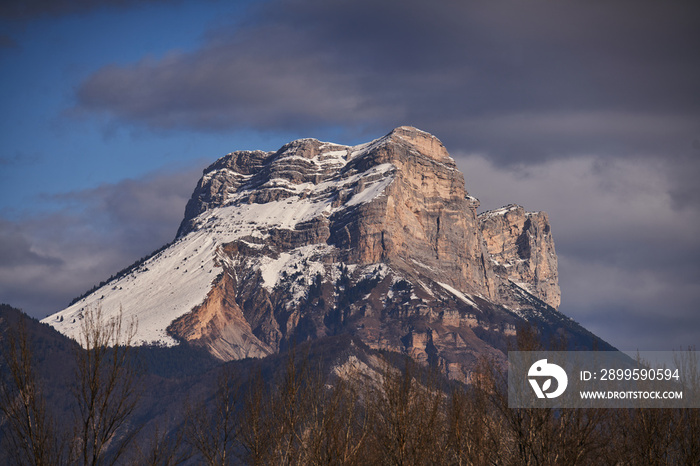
[
  {"x": 177, "y": 279},
  {"x": 458, "y": 294}
]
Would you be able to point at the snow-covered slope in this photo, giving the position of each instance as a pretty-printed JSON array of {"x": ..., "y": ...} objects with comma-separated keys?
[{"x": 175, "y": 280}]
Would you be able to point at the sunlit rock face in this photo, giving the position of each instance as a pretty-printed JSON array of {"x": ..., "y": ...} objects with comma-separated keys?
[
  {"x": 522, "y": 249},
  {"x": 380, "y": 241}
]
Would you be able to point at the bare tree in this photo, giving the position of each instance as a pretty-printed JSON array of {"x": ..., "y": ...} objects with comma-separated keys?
[
  {"x": 657, "y": 436},
  {"x": 256, "y": 434},
  {"x": 163, "y": 448},
  {"x": 303, "y": 419},
  {"x": 341, "y": 426},
  {"x": 688, "y": 419},
  {"x": 289, "y": 409},
  {"x": 534, "y": 436},
  {"x": 334, "y": 425},
  {"x": 468, "y": 425},
  {"x": 409, "y": 425},
  {"x": 106, "y": 391},
  {"x": 213, "y": 428},
  {"x": 29, "y": 429}
]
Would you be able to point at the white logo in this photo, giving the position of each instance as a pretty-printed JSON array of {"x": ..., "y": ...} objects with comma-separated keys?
[{"x": 547, "y": 372}]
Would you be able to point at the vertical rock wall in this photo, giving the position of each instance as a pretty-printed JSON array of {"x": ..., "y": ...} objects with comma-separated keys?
[{"x": 522, "y": 250}]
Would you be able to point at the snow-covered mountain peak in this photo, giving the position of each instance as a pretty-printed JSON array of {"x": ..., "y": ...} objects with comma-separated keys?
[{"x": 380, "y": 240}]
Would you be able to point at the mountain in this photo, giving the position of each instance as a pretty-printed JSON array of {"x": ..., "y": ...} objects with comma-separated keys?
[{"x": 380, "y": 241}]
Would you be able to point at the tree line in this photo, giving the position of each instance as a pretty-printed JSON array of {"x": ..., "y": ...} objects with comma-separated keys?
[{"x": 398, "y": 414}]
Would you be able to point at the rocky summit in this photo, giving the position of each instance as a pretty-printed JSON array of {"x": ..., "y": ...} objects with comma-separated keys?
[{"x": 380, "y": 241}]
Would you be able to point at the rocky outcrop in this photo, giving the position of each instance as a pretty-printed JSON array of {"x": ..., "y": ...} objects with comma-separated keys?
[
  {"x": 405, "y": 262},
  {"x": 380, "y": 241},
  {"x": 522, "y": 250},
  {"x": 219, "y": 325},
  {"x": 423, "y": 219}
]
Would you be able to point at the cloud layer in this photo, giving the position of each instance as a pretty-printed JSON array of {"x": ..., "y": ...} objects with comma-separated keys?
[
  {"x": 518, "y": 80},
  {"x": 628, "y": 258},
  {"x": 46, "y": 260}
]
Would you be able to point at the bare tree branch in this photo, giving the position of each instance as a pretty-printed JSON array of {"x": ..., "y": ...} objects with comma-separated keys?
[
  {"x": 28, "y": 427},
  {"x": 106, "y": 392}
]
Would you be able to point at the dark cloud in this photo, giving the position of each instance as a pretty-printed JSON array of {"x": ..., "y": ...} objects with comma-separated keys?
[
  {"x": 139, "y": 214},
  {"x": 520, "y": 80},
  {"x": 629, "y": 258},
  {"x": 16, "y": 250},
  {"x": 631, "y": 330},
  {"x": 46, "y": 260},
  {"x": 686, "y": 169},
  {"x": 29, "y": 9}
]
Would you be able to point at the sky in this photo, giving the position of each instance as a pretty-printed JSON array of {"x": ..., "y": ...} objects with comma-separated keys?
[{"x": 588, "y": 110}]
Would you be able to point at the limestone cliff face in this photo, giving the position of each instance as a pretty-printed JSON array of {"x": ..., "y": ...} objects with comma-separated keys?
[
  {"x": 522, "y": 250},
  {"x": 380, "y": 241},
  {"x": 222, "y": 178},
  {"x": 425, "y": 218},
  {"x": 383, "y": 242}
]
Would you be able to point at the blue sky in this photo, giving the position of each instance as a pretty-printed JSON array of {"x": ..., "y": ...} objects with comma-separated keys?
[
  {"x": 47, "y": 144},
  {"x": 587, "y": 110}
]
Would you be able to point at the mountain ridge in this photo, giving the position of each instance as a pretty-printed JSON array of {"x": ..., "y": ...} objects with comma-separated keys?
[{"x": 380, "y": 240}]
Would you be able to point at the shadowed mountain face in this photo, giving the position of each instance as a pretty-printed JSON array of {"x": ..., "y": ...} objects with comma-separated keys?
[{"x": 380, "y": 241}]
